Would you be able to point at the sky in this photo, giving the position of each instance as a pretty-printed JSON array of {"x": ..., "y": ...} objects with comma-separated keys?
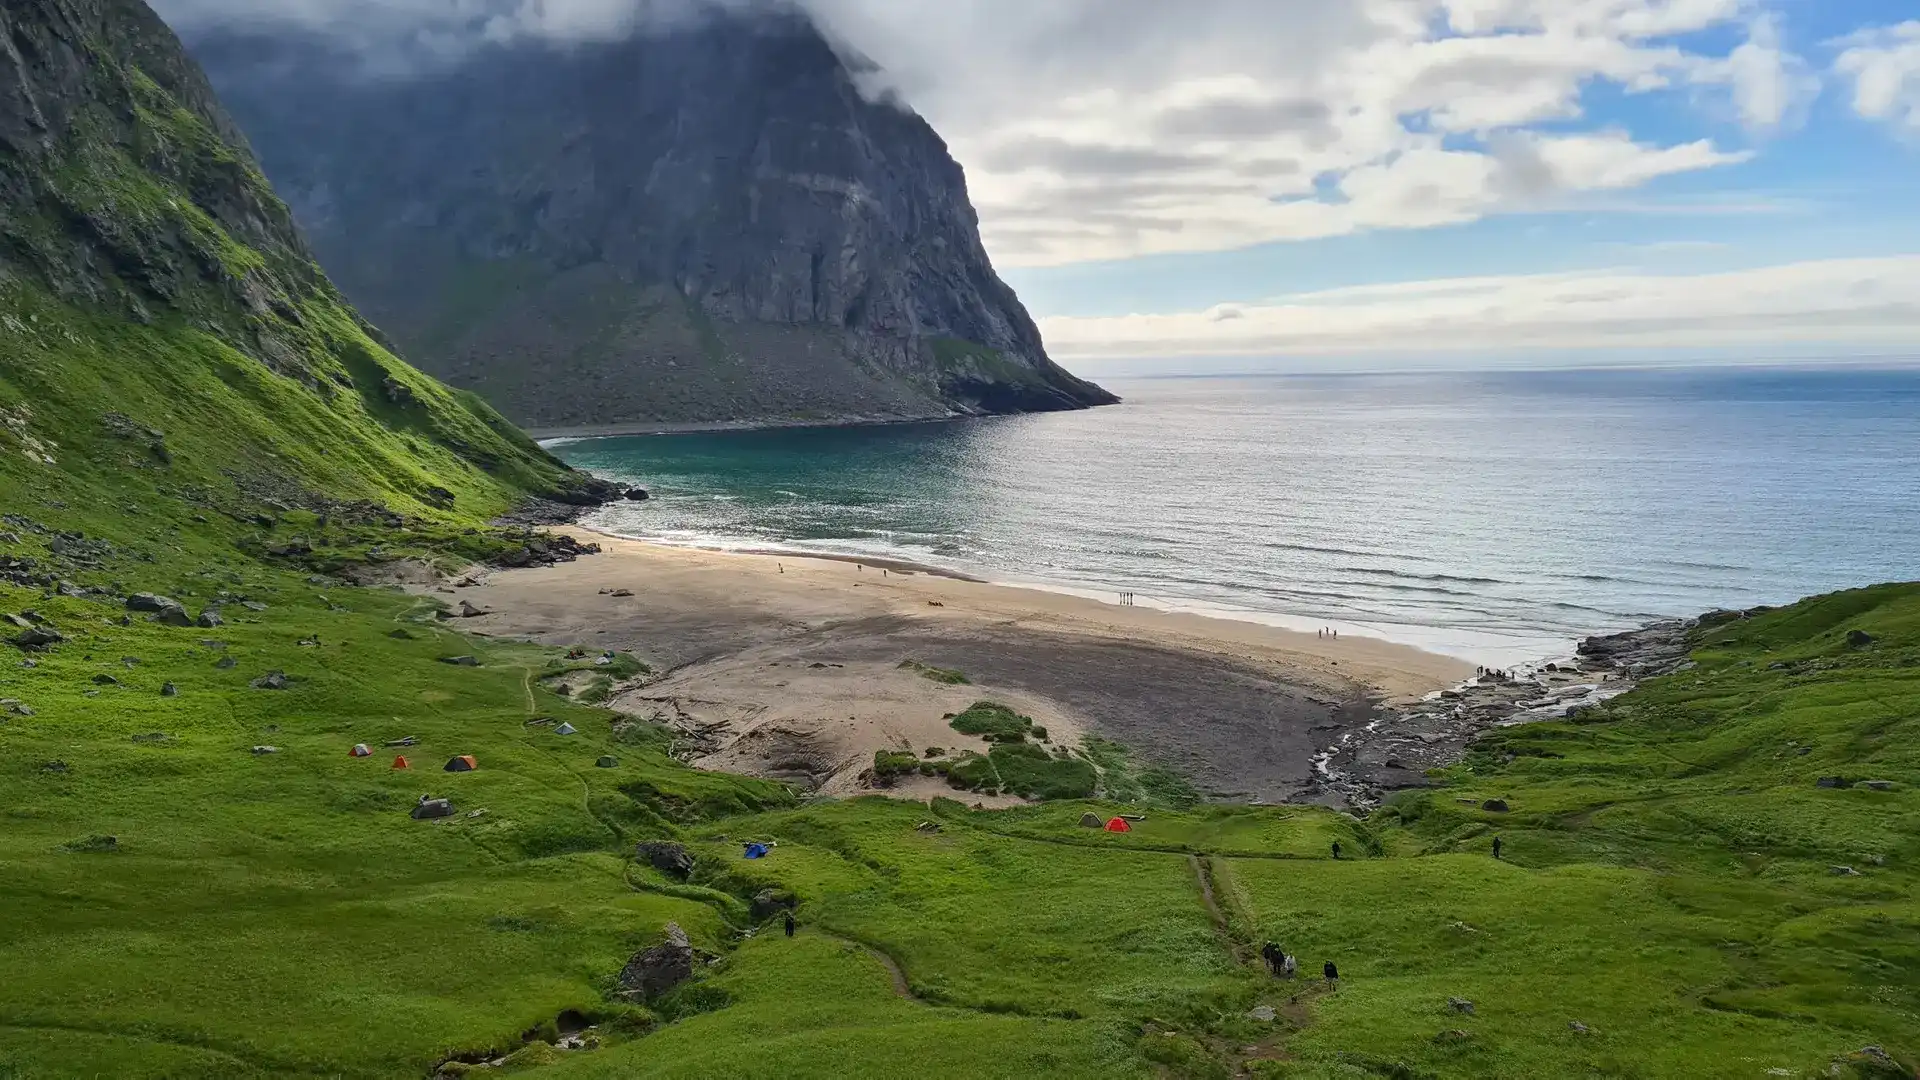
[{"x": 1188, "y": 184}]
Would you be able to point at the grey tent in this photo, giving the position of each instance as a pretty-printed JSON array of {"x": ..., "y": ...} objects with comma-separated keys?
[
  {"x": 1092, "y": 820},
  {"x": 432, "y": 808},
  {"x": 565, "y": 729},
  {"x": 608, "y": 762}
]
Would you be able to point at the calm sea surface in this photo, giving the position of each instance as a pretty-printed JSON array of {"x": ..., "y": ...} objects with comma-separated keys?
[{"x": 1493, "y": 516}]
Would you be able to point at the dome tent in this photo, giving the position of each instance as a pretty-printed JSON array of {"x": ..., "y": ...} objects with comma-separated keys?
[
  {"x": 360, "y": 750},
  {"x": 1119, "y": 825},
  {"x": 463, "y": 763}
]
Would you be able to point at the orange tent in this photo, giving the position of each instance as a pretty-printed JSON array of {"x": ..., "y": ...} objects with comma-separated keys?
[
  {"x": 1119, "y": 825},
  {"x": 402, "y": 763},
  {"x": 463, "y": 763}
]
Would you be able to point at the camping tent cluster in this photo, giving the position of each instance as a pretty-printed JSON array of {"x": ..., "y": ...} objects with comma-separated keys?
[{"x": 1091, "y": 820}]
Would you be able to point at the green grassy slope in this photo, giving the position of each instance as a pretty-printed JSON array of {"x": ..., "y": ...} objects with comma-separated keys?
[{"x": 1668, "y": 885}]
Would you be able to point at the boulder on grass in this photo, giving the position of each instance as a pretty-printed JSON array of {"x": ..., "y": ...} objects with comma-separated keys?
[
  {"x": 654, "y": 971},
  {"x": 667, "y": 857},
  {"x": 770, "y": 902}
]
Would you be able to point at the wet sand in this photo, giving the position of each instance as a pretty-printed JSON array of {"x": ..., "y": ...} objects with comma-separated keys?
[{"x": 791, "y": 667}]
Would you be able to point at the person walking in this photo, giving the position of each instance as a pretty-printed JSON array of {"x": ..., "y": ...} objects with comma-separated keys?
[
  {"x": 1287, "y": 966},
  {"x": 1271, "y": 954},
  {"x": 1336, "y": 849},
  {"x": 789, "y": 922},
  {"x": 1333, "y": 975},
  {"x": 1496, "y": 847}
]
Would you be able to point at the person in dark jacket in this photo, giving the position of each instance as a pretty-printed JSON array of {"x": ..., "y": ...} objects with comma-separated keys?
[
  {"x": 1496, "y": 847},
  {"x": 1272, "y": 953},
  {"x": 789, "y": 921},
  {"x": 1336, "y": 849},
  {"x": 1333, "y": 975}
]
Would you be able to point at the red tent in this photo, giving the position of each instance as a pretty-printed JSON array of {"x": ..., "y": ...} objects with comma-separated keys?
[
  {"x": 402, "y": 763},
  {"x": 463, "y": 763},
  {"x": 1119, "y": 825}
]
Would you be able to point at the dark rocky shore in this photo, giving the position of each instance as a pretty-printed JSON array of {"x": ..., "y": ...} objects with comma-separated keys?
[{"x": 1394, "y": 749}]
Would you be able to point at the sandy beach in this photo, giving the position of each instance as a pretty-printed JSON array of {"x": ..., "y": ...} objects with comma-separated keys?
[{"x": 792, "y": 667}]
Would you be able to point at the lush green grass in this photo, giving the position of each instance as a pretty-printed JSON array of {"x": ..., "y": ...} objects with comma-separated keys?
[
  {"x": 940, "y": 675},
  {"x": 993, "y": 722},
  {"x": 820, "y": 1006},
  {"x": 1667, "y": 883}
]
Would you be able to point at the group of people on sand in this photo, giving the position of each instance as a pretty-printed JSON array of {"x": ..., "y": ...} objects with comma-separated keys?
[
  {"x": 1327, "y": 633},
  {"x": 1282, "y": 965}
]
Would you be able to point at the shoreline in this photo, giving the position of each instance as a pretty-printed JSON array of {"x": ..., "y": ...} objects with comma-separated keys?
[
  {"x": 1499, "y": 652},
  {"x": 802, "y": 668},
  {"x": 645, "y": 428},
  {"x": 623, "y": 429}
]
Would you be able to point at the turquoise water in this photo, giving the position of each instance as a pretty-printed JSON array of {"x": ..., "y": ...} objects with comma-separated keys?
[{"x": 1493, "y": 516}]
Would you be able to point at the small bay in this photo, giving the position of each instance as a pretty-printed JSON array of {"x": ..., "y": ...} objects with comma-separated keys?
[{"x": 1495, "y": 516}]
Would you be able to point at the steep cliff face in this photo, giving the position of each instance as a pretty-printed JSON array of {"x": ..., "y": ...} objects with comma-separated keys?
[
  {"x": 154, "y": 289},
  {"x": 708, "y": 225}
]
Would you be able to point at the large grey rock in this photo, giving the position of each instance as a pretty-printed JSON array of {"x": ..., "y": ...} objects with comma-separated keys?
[
  {"x": 770, "y": 902},
  {"x": 38, "y": 637},
  {"x": 658, "y": 969},
  {"x": 151, "y": 602},
  {"x": 762, "y": 239},
  {"x": 668, "y": 858}
]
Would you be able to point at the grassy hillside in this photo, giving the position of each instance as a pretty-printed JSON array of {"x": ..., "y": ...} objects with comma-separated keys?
[{"x": 1668, "y": 885}]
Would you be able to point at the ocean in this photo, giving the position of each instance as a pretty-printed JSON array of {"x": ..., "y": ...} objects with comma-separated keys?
[{"x": 1492, "y": 516}]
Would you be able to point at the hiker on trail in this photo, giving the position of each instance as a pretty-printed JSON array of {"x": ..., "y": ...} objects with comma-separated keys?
[
  {"x": 789, "y": 922},
  {"x": 1287, "y": 967},
  {"x": 1333, "y": 975},
  {"x": 1496, "y": 847},
  {"x": 1336, "y": 849},
  {"x": 1271, "y": 954}
]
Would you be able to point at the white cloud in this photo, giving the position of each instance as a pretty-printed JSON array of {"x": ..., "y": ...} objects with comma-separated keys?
[
  {"x": 1771, "y": 86},
  {"x": 1099, "y": 129},
  {"x": 1831, "y": 302},
  {"x": 1884, "y": 65}
]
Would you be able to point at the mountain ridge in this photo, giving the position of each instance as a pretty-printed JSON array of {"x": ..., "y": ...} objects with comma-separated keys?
[{"x": 710, "y": 225}]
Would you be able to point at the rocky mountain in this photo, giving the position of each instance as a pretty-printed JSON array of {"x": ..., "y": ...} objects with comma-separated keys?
[
  {"x": 711, "y": 224},
  {"x": 160, "y": 313}
]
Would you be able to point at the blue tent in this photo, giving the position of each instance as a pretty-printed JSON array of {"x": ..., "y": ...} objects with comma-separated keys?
[{"x": 756, "y": 851}]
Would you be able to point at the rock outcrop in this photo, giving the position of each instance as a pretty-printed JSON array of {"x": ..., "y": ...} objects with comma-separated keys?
[
  {"x": 653, "y": 971},
  {"x": 714, "y": 224}
]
